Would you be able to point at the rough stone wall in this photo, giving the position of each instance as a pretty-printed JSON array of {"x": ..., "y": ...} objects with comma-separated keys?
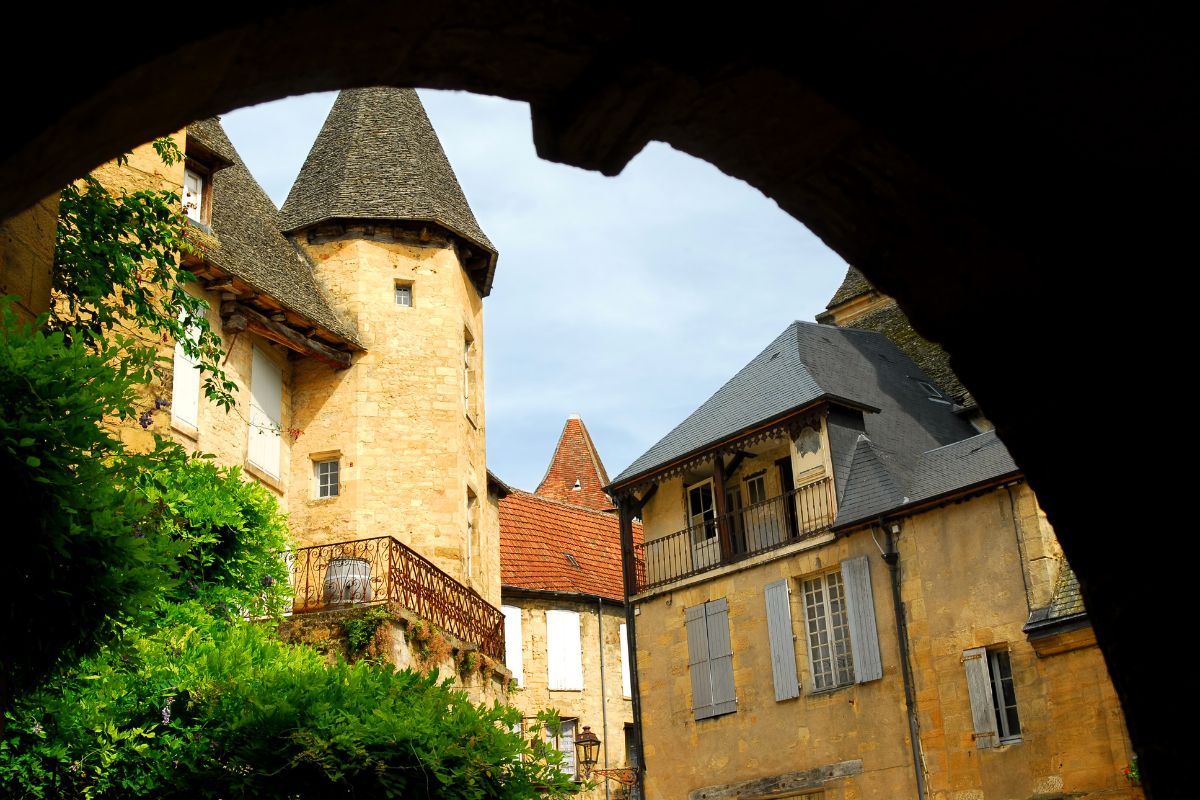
[
  {"x": 408, "y": 642},
  {"x": 411, "y": 447},
  {"x": 963, "y": 587},
  {"x": 26, "y": 253},
  {"x": 598, "y": 642}
]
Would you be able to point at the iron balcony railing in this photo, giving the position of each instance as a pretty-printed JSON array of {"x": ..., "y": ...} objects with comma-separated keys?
[
  {"x": 735, "y": 535},
  {"x": 382, "y": 570}
]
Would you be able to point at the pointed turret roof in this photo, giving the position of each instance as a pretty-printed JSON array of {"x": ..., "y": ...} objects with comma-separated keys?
[
  {"x": 576, "y": 475},
  {"x": 378, "y": 158}
]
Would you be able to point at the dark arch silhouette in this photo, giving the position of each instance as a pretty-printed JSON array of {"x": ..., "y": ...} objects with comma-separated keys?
[{"x": 1010, "y": 173}]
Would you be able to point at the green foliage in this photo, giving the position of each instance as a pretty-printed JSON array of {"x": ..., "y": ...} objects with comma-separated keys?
[
  {"x": 227, "y": 534},
  {"x": 205, "y": 707},
  {"x": 361, "y": 628},
  {"x": 117, "y": 267},
  {"x": 76, "y": 560}
]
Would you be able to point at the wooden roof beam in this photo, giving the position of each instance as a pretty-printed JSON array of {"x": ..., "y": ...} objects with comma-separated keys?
[{"x": 242, "y": 317}]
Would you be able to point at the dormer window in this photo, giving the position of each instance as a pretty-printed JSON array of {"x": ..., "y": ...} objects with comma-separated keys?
[{"x": 197, "y": 193}]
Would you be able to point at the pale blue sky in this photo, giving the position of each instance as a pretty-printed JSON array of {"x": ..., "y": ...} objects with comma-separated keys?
[{"x": 627, "y": 300}]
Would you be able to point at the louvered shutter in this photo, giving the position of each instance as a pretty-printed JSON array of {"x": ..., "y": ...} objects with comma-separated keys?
[
  {"x": 565, "y": 658},
  {"x": 860, "y": 611},
  {"x": 720, "y": 657},
  {"x": 266, "y": 404},
  {"x": 626, "y": 683},
  {"x": 697, "y": 637},
  {"x": 185, "y": 387},
  {"x": 979, "y": 688},
  {"x": 783, "y": 648},
  {"x": 514, "y": 657}
]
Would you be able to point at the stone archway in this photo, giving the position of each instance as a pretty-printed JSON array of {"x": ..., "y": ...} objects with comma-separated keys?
[{"x": 988, "y": 167}]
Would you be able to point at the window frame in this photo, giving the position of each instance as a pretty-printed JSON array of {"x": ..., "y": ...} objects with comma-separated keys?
[
  {"x": 204, "y": 201},
  {"x": 408, "y": 287},
  {"x": 568, "y": 766},
  {"x": 317, "y": 484},
  {"x": 823, "y": 618},
  {"x": 985, "y": 669}
]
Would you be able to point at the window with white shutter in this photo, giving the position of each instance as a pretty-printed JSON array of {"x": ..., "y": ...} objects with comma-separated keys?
[
  {"x": 266, "y": 413},
  {"x": 626, "y": 683},
  {"x": 993, "y": 701},
  {"x": 514, "y": 655},
  {"x": 564, "y": 657},
  {"x": 185, "y": 385},
  {"x": 783, "y": 647},
  {"x": 710, "y": 659}
]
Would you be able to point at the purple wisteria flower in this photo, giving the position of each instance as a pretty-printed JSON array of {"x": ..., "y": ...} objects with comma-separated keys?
[{"x": 166, "y": 711}]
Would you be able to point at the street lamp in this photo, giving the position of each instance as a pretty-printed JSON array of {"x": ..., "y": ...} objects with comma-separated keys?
[{"x": 587, "y": 751}]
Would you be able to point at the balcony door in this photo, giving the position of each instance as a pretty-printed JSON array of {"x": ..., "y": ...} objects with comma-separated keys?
[{"x": 702, "y": 521}]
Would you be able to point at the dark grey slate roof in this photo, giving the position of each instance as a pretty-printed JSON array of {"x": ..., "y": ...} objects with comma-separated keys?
[
  {"x": 956, "y": 466},
  {"x": 249, "y": 246},
  {"x": 1066, "y": 605},
  {"x": 869, "y": 487},
  {"x": 806, "y": 363},
  {"x": 378, "y": 157},
  {"x": 854, "y": 284}
]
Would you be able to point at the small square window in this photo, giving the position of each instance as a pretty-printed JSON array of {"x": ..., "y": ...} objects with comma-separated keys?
[
  {"x": 327, "y": 475},
  {"x": 404, "y": 294}
]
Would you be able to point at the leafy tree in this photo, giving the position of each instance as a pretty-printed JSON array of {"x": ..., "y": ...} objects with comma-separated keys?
[{"x": 117, "y": 267}]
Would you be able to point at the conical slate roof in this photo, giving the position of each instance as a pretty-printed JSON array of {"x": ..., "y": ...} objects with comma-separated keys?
[
  {"x": 377, "y": 157},
  {"x": 576, "y": 474}
]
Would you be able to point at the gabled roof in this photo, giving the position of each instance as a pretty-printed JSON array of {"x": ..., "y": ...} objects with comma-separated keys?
[
  {"x": 378, "y": 158},
  {"x": 941, "y": 471},
  {"x": 853, "y": 285},
  {"x": 548, "y": 545},
  {"x": 576, "y": 464},
  {"x": 249, "y": 245},
  {"x": 1065, "y": 608},
  {"x": 808, "y": 363}
]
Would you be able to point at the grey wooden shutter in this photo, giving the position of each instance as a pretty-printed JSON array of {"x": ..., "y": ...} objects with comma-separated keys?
[
  {"x": 860, "y": 609},
  {"x": 979, "y": 688},
  {"x": 697, "y": 638},
  {"x": 783, "y": 648},
  {"x": 720, "y": 657}
]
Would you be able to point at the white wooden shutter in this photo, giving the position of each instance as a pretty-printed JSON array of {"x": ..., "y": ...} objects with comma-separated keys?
[
  {"x": 783, "y": 648},
  {"x": 626, "y": 683},
  {"x": 266, "y": 405},
  {"x": 697, "y": 638},
  {"x": 193, "y": 194},
  {"x": 720, "y": 656},
  {"x": 514, "y": 654},
  {"x": 185, "y": 386},
  {"x": 860, "y": 611},
  {"x": 979, "y": 688},
  {"x": 564, "y": 668}
]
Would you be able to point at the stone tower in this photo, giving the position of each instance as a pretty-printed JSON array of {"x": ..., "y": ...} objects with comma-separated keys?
[{"x": 395, "y": 246}]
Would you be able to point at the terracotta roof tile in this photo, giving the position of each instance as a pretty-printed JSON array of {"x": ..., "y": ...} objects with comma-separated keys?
[
  {"x": 537, "y": 534},
  {"x": 576, "y": 461}
]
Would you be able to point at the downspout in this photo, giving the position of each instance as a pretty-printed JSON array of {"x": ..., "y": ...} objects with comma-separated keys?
[
  {"x": 629, "y": 576},
  {"x": 603, "y": 692},
  {"x": 892, "y": 558}
]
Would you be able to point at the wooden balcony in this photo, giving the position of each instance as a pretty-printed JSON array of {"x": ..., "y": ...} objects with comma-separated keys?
[
  {"x": 382, "y": 570},
  {"x": 735, "y": 536}
]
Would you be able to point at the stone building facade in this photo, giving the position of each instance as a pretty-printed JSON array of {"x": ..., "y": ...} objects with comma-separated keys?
[
  {"x": 564, "y": 610},
  {"x": 846, "y": 591},
  {"x": 352, "y": 321}
]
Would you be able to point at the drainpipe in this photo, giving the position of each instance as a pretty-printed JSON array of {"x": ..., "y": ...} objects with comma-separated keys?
[
  {"x": 892, "y": 558},
  {"x": 603, "y": 693},
  {"x": 629, "y": 575}
]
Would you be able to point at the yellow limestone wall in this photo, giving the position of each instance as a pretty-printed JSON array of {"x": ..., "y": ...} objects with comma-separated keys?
[
  {"x": 26, "y": 253},
  {"x": 411, "y": 448},
  {"x": 585, "y": 705},
  {"x": 964, "y": 586}
]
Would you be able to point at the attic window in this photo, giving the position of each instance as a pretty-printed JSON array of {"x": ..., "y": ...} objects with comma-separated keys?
[
  {"x": 571, "y": 560},
  {"x": 195, "y": 199},
  {"x": 577, "y": 486}
]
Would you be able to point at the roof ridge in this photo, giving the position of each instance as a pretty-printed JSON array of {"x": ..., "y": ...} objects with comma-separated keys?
[{"x": 604, "y": 512}]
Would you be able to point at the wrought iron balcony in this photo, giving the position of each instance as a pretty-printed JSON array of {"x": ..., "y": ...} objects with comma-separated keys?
[
  {"x": 735, "y": 535},
  {"x": 382, "y": 570}
]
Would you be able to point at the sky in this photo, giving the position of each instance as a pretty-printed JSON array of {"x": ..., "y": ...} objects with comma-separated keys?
[{"x": 626, "y": 300}]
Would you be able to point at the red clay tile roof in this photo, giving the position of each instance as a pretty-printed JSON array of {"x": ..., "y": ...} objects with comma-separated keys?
[
  {"x": 576, "y": 460},
  {"x": 537, "y": 534}
]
